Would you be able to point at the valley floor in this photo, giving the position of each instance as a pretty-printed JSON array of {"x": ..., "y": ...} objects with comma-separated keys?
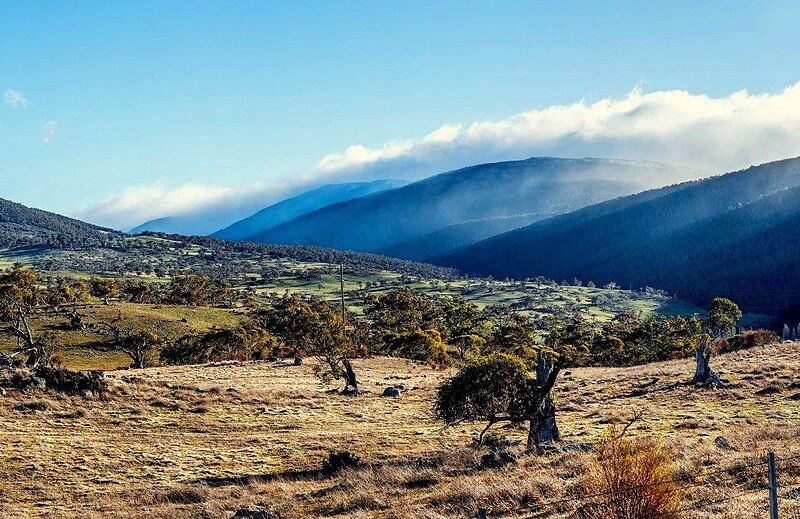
[{"x": 203, "y": 441}]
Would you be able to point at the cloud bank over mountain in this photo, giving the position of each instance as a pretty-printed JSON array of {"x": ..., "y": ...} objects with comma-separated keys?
[
  {"x": 221, "y": 204},
  {"x": 711, "y": 134},
  {"x": 675, "y": 127}
]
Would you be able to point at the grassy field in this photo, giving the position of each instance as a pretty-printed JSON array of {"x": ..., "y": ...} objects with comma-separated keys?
[
  {"x": 74, "y": 347},
  {"x": 203, "y": 441}
]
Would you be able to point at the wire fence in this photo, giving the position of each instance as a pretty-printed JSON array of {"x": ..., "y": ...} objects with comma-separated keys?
[{"x": 740, "y": 472}]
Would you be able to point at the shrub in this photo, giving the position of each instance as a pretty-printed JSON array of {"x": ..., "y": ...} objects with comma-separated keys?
[
  {"x": 635, "y": 479},
  {"x": 486, "y": 388},
  {"x": 241, "y": 343},
  {"x": 423, "y": 345},
  {"x": 748, "y": 339}
]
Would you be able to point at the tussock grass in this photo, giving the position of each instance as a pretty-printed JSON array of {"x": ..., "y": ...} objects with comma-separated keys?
[{"x": 263, "y": 425}]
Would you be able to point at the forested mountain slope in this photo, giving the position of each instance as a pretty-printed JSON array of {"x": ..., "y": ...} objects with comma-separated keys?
[
  {"x": 301, "y": 204},
  {"x": 536, "y": 188},
  {"x": 729, "y": 235},
  {"x": 21, "y": 225}
]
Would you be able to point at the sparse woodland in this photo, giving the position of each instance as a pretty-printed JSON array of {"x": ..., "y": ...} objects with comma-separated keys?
[{"x": 439, "y": 406}]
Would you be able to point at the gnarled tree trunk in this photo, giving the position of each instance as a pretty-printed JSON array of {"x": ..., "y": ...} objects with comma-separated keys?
[
  {"x": 703, "y": 374},
  {"x": 543, "y": 429},
  {"x": 350, "y": 381}
]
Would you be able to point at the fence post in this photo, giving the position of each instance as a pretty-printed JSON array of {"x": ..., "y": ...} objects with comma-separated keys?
[
  {"x": 481, "y": 513},
  {"x": 773, "y": 486}
]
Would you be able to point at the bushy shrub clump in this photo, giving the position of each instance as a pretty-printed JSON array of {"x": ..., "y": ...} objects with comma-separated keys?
[
  {"x": 748, "y": 339},
  {"x": 422, "y": 345},
  {"x": 241, "y": 343},
  {"x": 632, "y": 479}
]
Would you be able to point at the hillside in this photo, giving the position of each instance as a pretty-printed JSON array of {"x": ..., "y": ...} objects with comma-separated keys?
[
  {"x": 267, "y": 269},
  {"x": 535, "y": 188},
  {"x": 25, "y": 226},
  {"x": 204, "y": 441},
  {"x": 168, "y": 224},
  {"x": 727, "y": 235},
  {"x": 303, "y": 203},
  {"x": 455, "y": 236}
]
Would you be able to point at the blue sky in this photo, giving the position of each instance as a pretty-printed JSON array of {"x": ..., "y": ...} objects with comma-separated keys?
[{"x": 230, "y": 95}]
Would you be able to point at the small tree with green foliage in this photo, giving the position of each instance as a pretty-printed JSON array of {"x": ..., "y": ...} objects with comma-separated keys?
[
  {"x": 422, "y": 345},
  {"x": 104, "y": 288},
  {"x": 722, "y": 317},
  {"x": 141, "y": 344},
  {"x": 245, "y": 342},
  {"x": 500, "y": 387},
  {"x": 313, "y": 326}
]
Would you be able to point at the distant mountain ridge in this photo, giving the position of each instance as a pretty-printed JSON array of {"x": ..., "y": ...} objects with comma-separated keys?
[
  {"x": 303, "y": 203},
  {"x": 22, "y": 226},
  {"x": 463, "y": 206},
  {"x": 726, "y": 235}
]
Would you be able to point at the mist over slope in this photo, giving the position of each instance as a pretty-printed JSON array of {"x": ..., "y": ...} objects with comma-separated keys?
[
  {"x": 535, "y": 188},
  {"x": 729, "y": 235},
  {"x": 307, "y": 202}
]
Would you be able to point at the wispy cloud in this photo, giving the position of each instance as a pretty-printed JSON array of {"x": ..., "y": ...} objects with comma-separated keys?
[
  {"x": 678, "y": 127},
  {"x": 714, "y": 134},
  {"x": 212, "y": 206},
  {"x": 14, "y": 98},
  {"x": 48, "y": 131}
]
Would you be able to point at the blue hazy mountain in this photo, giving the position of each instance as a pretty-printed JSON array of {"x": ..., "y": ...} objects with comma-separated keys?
[
  {"x": 463, "y": 206},
  {"x": 731, "y": 235},
  {"x": 303, "y": 203}
]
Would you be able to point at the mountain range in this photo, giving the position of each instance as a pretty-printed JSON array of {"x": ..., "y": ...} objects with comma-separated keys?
[
  {"x": 730, "y": 235},
  {"x": 225, "y": 221},
  {"x": 460, "y": 207},
  {"x": 301, "y": 204}
]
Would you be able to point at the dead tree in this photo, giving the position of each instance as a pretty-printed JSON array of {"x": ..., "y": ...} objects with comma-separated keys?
[
  {"x": 350, "y": 381},
  {"x": 703, "y": 374},
  {"x": 76, "y": 321},
  {"x": 27, "y": 344},
  {"x": 543, "y": 429}
]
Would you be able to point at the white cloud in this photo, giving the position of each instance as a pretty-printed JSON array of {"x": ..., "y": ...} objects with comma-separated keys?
[
  {"x": 14, "y": 98},
  {"x": 676, "y": 127},
  {"x": 48, "y": 131},
  {"x": 213, "y": 207},
  {"x": 714, "y": 134}
]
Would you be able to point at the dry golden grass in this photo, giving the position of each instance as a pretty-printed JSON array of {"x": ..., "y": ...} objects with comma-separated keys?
[{"x": 203, "y": 441}]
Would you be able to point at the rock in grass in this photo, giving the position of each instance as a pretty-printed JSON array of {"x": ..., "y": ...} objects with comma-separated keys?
[{"x": 391, "y": 391}]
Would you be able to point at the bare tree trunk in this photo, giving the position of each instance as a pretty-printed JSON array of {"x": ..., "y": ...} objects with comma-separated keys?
[
  {"x": 350, "y": 381},
  {"x": 543, "y": 429},
  {"x": 703, "y": 374}
]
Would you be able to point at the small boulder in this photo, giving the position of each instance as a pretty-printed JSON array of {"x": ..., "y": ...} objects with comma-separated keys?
[
  {"x": 298, "y": 361},
  {"x": 391, "y": 391},
  {"x": 722, "y": 443}
]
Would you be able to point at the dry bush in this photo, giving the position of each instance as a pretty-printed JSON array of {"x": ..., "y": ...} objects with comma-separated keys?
[{"x": 635, "y": 480}]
